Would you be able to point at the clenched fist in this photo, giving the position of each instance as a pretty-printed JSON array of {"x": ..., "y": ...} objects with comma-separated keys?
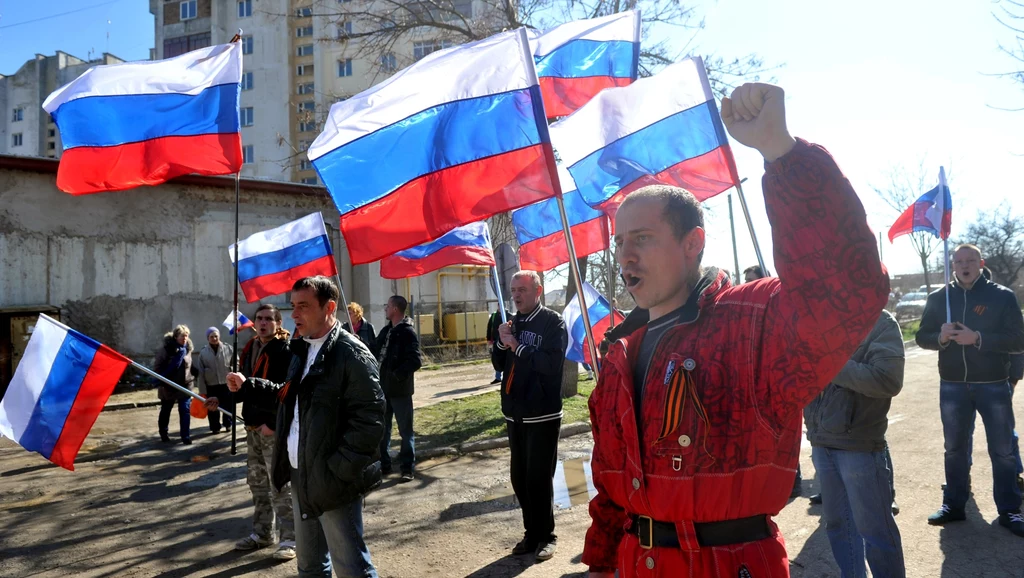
[
  {"x": 755, "y": 115},
  {"x": 235, "y": 381}
]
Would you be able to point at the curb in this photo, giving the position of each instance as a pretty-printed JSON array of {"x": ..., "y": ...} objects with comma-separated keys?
[
  {"x": 130, "y": 405},
  {"x": 567, "y": 430}
]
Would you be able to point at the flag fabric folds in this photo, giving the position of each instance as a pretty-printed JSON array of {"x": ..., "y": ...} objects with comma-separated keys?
[
  {"x": 541, "y": 237},
  {"x": 578, "y": 59},
  {"x": 243, "y": 322},
  {"x": 466, "y": 245},
  {"x": 932, "y": 212},
  {"x": 453, "y": 139},
  {"x": 270, "y": 262},
  {"x": 601, "y": 316},
  {"x": 61, "y": 385},
  {"x": 143, "y": 123},
  {"x": 662, "y": 129}
]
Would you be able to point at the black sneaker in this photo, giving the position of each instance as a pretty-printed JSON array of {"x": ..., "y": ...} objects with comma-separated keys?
[
  {"x": 946, "y": 515},
  {"x": 524, "y": 547},
  {"x": 406, "y": 478},
  {"x": 385, "y": 472},
  {"x": 1013, "y": 521},
  {"x": 815, "y": 499},
  {"x": 496, "y": 381},
  {"x": 186, "y": 441},
  {"x": 165, "y": 438},
  {"x": 895, "y": 508}
]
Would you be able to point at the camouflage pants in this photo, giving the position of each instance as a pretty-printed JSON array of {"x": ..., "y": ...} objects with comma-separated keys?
[{"x": 270, "y": 504}]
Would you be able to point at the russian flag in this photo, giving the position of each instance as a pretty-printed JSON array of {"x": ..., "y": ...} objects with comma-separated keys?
[
  {"x": 243, "y": 322},
  {"x": 662, "y": 129},
  {"x": 143, "y": 123},
  {"x": 466, "y": 245},
  {"x": 931, "y": 212},
  {"x": 453, "y": 139},
  {"x": 270, "y": 262},
  {"x": 61, "y": 385},
  {"x": 600, "y": 313},
  {"x": 538, "y": 228},
  {"x": 579, "y": 59}
]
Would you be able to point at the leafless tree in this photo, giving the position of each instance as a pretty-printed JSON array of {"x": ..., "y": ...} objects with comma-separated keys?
[
  {"x": 1000, "y": 236},
  {"x": 1010, "y": 13}
]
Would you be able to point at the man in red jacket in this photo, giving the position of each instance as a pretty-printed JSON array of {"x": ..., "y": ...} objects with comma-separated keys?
[{"x": 696, "y": 416}]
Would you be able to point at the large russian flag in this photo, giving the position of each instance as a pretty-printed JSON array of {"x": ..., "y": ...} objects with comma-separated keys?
[
  {"x": 62, "y": 384},
  {"x": 541, "y": 237},
  {"x": 932, "y": 212},
  {"x": 601, "y": 317},
  {"x": 466, "y": 245},
  {"x": 662, "y": 129},
  {"x": 453, "y": 139},
  {"x": 579, "y": 59},
  {"x": 270, "y": 262},
  {"x": 143, "y": 123}
]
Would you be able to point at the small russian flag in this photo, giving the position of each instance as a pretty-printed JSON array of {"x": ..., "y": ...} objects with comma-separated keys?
[
  {"x": 932, "y": 212},
  {"x": 243, "y": 322}
]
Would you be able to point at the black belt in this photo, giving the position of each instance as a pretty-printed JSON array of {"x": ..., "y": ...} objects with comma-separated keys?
[{"x": 663, "y": 534}]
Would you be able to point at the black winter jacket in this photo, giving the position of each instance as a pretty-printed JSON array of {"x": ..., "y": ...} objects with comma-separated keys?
[
  {"x": 852, "y": 413},
  {"x": 341, "y": 423},
  {"x": 272, "y": 364},
  {"x": 400, "y": 358},
  {"x": 531, "y": 387},
  {"x": 988, "y": 308},
  {"x": 367, "y": 334}
]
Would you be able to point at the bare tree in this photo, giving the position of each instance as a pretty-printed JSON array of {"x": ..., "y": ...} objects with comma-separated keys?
[
  {"x": 1010, "y": 13},
  {"x": 1000, "y": 236}
]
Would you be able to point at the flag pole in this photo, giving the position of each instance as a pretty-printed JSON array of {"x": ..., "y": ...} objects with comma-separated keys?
[
  {"x": 497, "y": 292},
  {"x": 344, "y": 303},
  {"x": 945, "y": 244},
  {"x": 750, "y": 226},
  {"x": 234, "y": 355},
  {"x": 735, "y": 251},
  {"x": 576, "y": 277}
]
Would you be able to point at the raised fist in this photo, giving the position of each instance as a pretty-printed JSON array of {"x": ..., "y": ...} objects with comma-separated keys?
[{"x": 755, "y": 115}]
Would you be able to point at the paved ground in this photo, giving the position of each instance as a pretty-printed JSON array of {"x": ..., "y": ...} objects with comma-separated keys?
[{"x": 137, "y": 508}]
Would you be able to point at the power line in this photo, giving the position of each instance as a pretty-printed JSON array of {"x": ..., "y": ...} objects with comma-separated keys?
[{"x": 52, "y": 16}]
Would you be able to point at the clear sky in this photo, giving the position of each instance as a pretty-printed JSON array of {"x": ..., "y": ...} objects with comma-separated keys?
[{"x": 879, "y": 83}]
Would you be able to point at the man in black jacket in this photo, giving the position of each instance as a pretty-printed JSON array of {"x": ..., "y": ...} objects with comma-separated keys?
[
  {"x": 534, "y": 343},
  {"x": 846, "y": 427},
  {"x": 400, "y": 359},
  {"x": 985, "y": 327},
  {"x": 330, "y": 422}
]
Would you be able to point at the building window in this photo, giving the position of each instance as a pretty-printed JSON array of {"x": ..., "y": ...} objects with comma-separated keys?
[
  {"x": 311, "y": 180},
  {"x": 246, "y": 81},
  {"x": 247, "y": 116},
  {"x": 17, "y": 115},
  {"x": 182, "y": 44},
  {"x": 247, "y": 155},
  {"x": 52, "y": 146},
  {"x": 16, "y": 139},
  {"x": 188, "y": 9},
  {"x": 304, "y": 70},
  {"x": 304, "y": 50},
  {"x": 245, "y": 8},
  {"x": 247, "y": 45},
  {"x": 388, "y": 63},
  {"x": 305, "y": 165},
  {"x": 306, "y": 106},
  {"x": 306, "y": 88},
  {"x": 345, "y": 67},
  {"x": 307, "y": 126},
  {"x": 304, "y": 145},
  {"x": 51, "y": 133},
  {"x": 304, "y": 12},
  {"x": 344, "y": 29},
  {"x": 303, "y": 31},
  {"x": 421, "y": 49}
]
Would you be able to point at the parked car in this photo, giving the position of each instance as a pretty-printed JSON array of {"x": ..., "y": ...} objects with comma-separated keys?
[{"x": 911, "y": 305}]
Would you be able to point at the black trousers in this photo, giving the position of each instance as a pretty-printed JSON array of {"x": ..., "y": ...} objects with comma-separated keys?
[
  {"x": 534, "y": 448},
  {"x": 224, "y": 399}
]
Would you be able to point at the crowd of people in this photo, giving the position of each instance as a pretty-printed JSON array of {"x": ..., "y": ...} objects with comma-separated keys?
[{"x": 702, "y": 392}]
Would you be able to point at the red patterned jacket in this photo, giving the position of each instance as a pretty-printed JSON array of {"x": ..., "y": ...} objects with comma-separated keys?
[{"x": 751, "y": 357}]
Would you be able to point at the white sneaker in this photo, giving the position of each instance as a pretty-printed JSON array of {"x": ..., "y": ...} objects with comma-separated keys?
[{"x": 285, "y": 551}]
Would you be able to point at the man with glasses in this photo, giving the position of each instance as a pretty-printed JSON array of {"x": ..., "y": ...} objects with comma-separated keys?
[{"x": 984, "y": 328}]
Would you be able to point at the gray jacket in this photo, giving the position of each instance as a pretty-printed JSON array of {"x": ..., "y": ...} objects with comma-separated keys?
[
  {"x": 213, "y": 367},
  {"x": 852, "y": 412}
]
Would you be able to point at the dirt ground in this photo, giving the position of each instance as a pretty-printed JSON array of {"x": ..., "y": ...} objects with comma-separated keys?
[{"x": 138, "y": 508}]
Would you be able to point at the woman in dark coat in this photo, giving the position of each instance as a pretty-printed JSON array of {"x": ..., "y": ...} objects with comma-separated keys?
[{"x": 174, "y": 361}]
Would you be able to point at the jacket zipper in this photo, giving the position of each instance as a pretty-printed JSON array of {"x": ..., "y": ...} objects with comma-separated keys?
[{"x": 963, "y": 349}]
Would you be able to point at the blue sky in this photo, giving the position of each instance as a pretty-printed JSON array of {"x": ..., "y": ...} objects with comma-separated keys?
[{"x": 879, "y": 83}]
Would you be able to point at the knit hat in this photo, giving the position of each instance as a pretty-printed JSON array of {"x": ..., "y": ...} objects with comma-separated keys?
[{"x": 210, "y": 330}]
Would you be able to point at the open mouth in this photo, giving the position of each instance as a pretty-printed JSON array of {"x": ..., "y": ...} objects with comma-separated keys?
[{"x": 631, "y": 280}]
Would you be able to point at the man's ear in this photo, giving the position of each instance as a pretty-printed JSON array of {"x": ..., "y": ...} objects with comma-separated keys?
[{"x": 693, "y": 242}]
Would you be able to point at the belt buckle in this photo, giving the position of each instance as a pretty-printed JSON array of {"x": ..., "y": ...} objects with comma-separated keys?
[{"x": 649, "y": 534}]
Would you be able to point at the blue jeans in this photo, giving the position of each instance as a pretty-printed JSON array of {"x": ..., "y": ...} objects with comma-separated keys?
[
  {"x": 857, "y": 510},
  {"x": 401, "y": 409},
  {"x": 958, "y": 403},
  {"x": 335, "y": 539},
  {"x": 184, "y": 417}
]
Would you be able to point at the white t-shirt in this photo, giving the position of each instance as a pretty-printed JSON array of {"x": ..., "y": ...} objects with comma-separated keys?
[{"x": 293, "y": 432}]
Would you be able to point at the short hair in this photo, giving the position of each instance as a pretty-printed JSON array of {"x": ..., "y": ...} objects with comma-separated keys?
[
  {"x": 324, "y": 289},
  {"x": 533, "y": 275},
  {"x": 756, "y": 270},
  {"x": 399, "y": 302},
  {"x": 178, "y": 330},
  {"x": 682, "y": 210},
  {"x": 969, "y": 246},
  {"x": 356, "y": 308},
  {"x": 273, "y": 309}
]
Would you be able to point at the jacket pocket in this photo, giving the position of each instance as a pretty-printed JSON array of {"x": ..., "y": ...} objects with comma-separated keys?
[{"x": 835, "y": 414}]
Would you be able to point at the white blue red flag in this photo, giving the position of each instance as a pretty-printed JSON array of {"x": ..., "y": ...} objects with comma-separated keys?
[
  {"x": 466, "y": 245},
  {"x": 61, "y": 385},
  {"x": 601, "y": 317},
  {"x": 270, "y": 262},
  {"x": 143, "y": 123},
  {"x": 932, "y": 212},
  {"x": 243, "y": 322},
  {"x": 579, "y": 59},
  {"x": 541, "y": 237},
  {"x": 451, "y": 140},
  {"x": 662, "y": 129}
]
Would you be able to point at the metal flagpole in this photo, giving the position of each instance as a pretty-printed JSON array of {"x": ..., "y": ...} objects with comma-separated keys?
[
  {"x": 234, "y": 356},
  {"x": 497, "y": 292},
  {"x": 190, "y": 393},
  {"x": 750, "y": 226},
  {"x": 945, "y": 242},
  {"x": 579, "y": 281},
  {"x": 611, "y": 284},
  {"x": 735, "y": 251},
  {"x": 344, "y": 303}
]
